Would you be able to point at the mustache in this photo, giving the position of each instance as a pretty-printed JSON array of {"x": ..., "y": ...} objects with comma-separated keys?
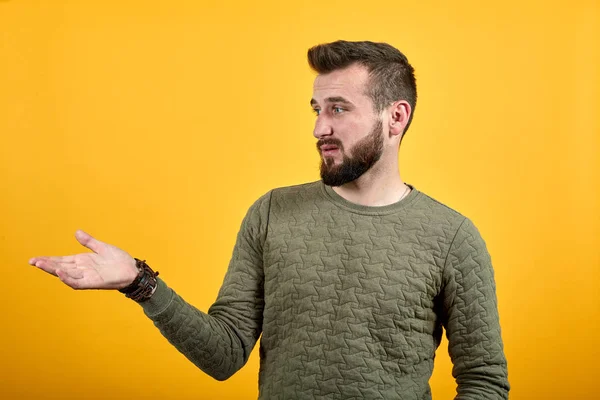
[{"x": 329, "y": 141}]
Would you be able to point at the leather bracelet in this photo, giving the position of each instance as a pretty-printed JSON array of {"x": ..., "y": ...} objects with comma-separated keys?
[{"x": 144, "y": 285}]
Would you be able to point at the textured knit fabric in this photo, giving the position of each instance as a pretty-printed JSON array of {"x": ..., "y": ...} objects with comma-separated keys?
[{"x": 350, "y": 300}]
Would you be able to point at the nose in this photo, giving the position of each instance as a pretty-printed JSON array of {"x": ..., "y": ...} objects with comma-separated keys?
[{"x": 322, "y": 128}]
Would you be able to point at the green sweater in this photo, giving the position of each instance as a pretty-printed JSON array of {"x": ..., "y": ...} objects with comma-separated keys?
[{"x": 350, "y": 300}]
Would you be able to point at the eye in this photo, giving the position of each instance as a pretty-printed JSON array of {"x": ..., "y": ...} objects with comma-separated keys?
[
  {"x": 338, "y": 110},
  {"x": 316, "y": 111}
]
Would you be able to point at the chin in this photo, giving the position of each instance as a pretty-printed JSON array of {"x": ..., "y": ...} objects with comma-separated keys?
[{"x": 331, "y": 161}]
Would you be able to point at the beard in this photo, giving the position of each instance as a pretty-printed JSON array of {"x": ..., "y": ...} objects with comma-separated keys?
[{"x": 365, "y": 153}]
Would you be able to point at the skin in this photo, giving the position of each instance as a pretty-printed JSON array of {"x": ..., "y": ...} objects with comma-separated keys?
[
  {"x": 107, "y": 267},
  {"x": 352, "y": 120},
  {"x": 348, "y": 121}
]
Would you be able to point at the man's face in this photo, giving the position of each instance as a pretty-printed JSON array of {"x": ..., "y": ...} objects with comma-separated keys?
[{"x": 349, "y": 132}]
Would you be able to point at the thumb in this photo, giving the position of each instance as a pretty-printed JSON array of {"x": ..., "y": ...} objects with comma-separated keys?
[{"x": 88, "y": 241}]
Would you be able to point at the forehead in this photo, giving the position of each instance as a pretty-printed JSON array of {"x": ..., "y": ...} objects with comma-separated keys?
[{"x": 349, "y": 83}]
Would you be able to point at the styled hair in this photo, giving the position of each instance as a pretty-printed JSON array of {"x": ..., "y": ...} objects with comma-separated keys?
[{"x": 391, "y": 77}]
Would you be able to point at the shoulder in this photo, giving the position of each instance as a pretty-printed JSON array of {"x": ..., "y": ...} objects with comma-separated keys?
[
  {"x": 292, "y": 191},
  {"x": 437, "y": 212},
  {"x": 303, "y": 189},
  {"x": 295, "y": 196},
  {"x": 463, "y": 239},
  {"x": 444, "y": 219},
  {"x": 285, "y": 197}
]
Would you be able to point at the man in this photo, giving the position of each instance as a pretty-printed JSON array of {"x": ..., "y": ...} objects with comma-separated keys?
[{"x": 349, "y": 279}]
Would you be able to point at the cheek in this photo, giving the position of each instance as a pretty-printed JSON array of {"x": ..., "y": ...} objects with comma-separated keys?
[{"x": 351, "y": 132}]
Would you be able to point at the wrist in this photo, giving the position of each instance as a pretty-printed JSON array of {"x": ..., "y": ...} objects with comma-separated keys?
[
  {"x": 143, "y": 285},
  {"x": 132, "y": 273}
]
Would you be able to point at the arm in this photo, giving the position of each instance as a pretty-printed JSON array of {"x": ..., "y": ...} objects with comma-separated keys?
[
  {"x": 470, "y": 317},
  {"x": 219, "y": 342}
]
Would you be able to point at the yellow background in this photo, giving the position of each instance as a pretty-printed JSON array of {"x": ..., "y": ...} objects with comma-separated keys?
[{"x": 153, "y": 125}]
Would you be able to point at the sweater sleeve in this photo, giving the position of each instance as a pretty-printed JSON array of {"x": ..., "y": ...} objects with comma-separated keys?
[
  {"x": 219, "y": 342},
  {"x": 470, "y": 317}
]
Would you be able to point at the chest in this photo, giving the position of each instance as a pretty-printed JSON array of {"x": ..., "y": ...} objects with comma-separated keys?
[{"x": 345, "y": 262}]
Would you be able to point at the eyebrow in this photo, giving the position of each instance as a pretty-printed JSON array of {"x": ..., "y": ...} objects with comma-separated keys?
[{"x": 334, "y": 99}]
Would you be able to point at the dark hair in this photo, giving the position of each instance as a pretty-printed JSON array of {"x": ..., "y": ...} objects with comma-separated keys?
[{"x": 391, "y": 77}]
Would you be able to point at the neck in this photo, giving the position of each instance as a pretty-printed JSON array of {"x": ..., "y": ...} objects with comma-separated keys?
[{"x": 379, "y": 186}]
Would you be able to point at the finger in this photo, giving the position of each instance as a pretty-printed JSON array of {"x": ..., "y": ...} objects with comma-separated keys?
[
  {"x": 66, "y": 279},
  {"x": 63, "y": 259},
  {"x": 34, "y": 260},
  {"x": 75, "y": 273},
  {"x": 88, "y": 241},
  {"x": 71, "y": 278},
  {"x": 59, "y": 260},
  {"x": 47, "y": 266}
]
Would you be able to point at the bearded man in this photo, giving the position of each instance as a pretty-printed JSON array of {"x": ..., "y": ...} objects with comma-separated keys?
[{"x": 351, "y": 280}]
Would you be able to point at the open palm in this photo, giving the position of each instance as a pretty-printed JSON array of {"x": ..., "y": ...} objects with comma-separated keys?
[{"x": 108, "y": 267}]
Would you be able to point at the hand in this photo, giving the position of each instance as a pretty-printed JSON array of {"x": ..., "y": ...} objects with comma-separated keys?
[{"x": 108, "y": 267}]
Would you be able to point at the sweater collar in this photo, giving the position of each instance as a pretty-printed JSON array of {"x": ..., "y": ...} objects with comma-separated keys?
[{"x": 370, "y": 210}]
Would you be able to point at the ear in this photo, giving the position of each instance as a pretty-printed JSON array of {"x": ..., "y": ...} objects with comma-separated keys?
[{"x": 399, "y": 115}]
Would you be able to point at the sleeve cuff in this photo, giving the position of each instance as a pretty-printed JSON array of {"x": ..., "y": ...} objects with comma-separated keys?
[{"x": 159, "y": 301}]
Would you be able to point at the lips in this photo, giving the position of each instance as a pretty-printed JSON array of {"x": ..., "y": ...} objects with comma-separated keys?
[{"x": 328, "y": 147}]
